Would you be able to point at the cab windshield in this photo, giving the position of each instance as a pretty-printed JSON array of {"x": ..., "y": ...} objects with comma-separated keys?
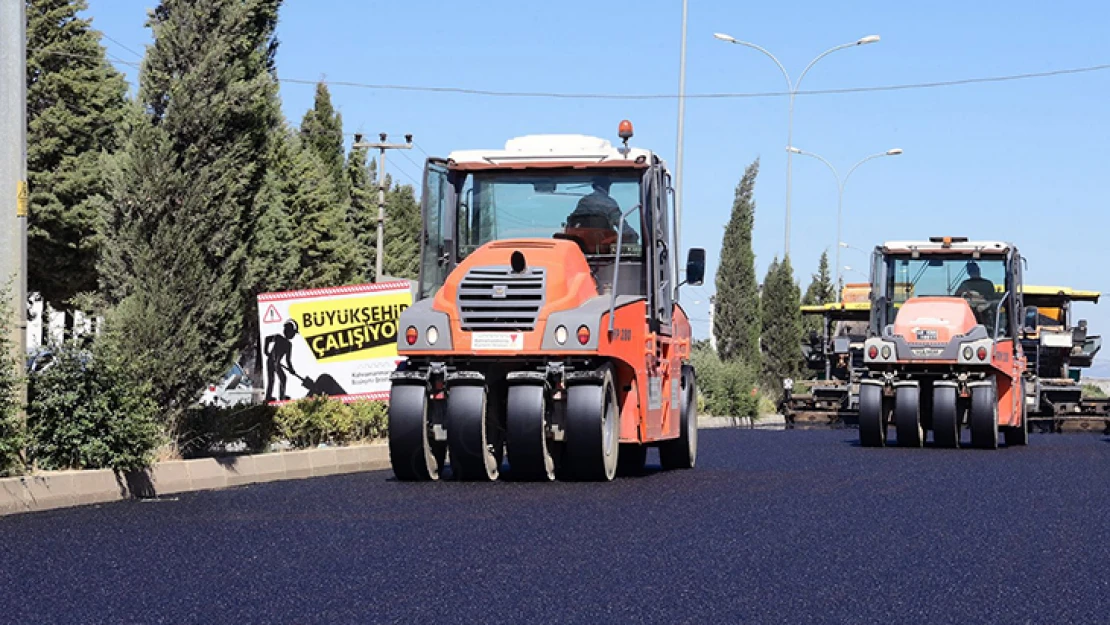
[
  {"x": 584, "y": 207},
  {"x": 982, "y": 282}
]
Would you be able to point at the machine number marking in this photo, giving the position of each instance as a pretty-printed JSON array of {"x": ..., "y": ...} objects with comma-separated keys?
[
  {"x": 926, "y": 335},
  {"x": 927, "y": 351},
  {"x": 497, "y": 341},
  {"x": 622, "y": 334}
]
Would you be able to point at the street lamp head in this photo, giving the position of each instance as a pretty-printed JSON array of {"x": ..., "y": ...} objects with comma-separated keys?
[
  {"x": 724, "y": 37},
  {"x": 868, "y": 39},
  {"x": 793, "y": 150},
  {"x": 894, "y": 152},
  {"x": 844, "y": 245}
]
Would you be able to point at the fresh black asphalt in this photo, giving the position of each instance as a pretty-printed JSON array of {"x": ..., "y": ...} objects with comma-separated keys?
[{"x": 771, "y": 527}]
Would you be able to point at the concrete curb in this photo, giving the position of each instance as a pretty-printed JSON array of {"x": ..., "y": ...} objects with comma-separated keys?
[
  {"x": 706, "y": 422},
  {"x": 61, "y": 489}
]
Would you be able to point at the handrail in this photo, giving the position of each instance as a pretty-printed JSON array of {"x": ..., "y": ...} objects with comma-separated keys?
[
  {"x": 998, "y": 314},
  {"x": 617, "y": 265}
]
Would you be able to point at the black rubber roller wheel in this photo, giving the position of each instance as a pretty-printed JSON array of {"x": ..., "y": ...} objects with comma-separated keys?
[
  {"x": 526, "y": 433},
  {"x": 984, "y": 416},
  {"x": 946, "y": 416},
  {"x": 907, "y": 416},
  {"x": 593, "y": 431},
  {"x": 682, "y": 452},
  {"x": 872, "y": 417},
  {"x": 413, "y": 453},
  {"x": 472, "y": 437}
]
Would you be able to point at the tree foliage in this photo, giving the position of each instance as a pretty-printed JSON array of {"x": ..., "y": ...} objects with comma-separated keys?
[
  {"x": 322, "y": 133},
  {"x": 726, "y": 386},
  {"x": 91, "y": 410},
  {"x": 819, "y": 291},
  {"x": 322, "y": 236},
  {"x": 402, "y": 228},
  {"x": 11, "y": 427},
  {"x": 186, "y": 191},
  {"x": 402, "y": 232},
  {"x": 782, "y": 326},
  {"x": 736, "y": 319},
  {"x": 75, "y": 104}
]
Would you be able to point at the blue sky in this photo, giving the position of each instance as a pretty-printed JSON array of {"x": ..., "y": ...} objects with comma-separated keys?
[{"x": 1023, "y": 161}]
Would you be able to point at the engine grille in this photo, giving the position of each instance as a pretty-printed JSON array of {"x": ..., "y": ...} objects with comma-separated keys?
[{"x": 494, "y": 299}]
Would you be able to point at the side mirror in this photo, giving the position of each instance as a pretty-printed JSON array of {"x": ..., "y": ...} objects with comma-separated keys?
[
  {"x": 1032, "y": 317},
  {"x": 695, "y": 266}
]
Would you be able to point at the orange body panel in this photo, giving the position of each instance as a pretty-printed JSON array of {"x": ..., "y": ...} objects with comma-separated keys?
[
  {"x": 1010, "y": 367},
  {"x": 568, "y": 285},
  {"x": 947, "y": 316}
]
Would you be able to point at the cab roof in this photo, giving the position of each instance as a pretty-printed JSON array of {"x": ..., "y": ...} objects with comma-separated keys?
[
  {"x": 551, "y": 150},
  {"x": 1060, "y": 293},
  {"x": 947, "y": 245}
]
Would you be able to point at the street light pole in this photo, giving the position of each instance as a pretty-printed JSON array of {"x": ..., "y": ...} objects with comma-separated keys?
[
  {"x": 678, "y": 147},
  {"x": 840, "y": 194},
  {"x": 13, "y": 177},
  {"x": 381, "y": 146},
  {"x": 792, "y": 88}
]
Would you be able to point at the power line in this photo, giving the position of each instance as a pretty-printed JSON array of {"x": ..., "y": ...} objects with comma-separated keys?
[
  {"x": 667, "y": 96},
  {"x": 414, "y": 163},
  {"x": 426, "y": 155},
  {"x": 704, "y": 96},
  {"x": 106, "y": 36}
]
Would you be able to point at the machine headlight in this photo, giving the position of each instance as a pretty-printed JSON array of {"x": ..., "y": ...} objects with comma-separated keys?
[
  {"x": 968, "y": 352},
  {"x": 561, "y": 335},
  {"x": 886, "y": 352},
  {"x": 431, "y": 335}
]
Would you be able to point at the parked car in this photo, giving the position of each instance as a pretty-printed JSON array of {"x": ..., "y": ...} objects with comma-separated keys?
[{"x": 234, "y": 389}]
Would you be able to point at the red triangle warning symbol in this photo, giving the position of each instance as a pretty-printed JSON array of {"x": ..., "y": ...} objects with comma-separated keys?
[{"x": 272, "y": 315}]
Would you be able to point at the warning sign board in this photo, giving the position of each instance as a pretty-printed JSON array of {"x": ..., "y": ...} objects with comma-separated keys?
[{"x": 339, "y": 342}]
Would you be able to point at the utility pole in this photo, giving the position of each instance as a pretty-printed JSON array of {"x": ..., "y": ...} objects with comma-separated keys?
[
  {"x": 13, "y": 170},
  {"x": 382, "y": 145}
]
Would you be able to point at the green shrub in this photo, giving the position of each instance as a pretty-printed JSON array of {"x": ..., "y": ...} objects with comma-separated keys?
[
  {"x": 12, "y": 436},
  {"x": 317, "y": 420},
  {"x": 1093, "y": 391},
  {"x": 211, "y": 430},
  {"x": 727, "y": 387},
  {"x": 90, "y": 410}
]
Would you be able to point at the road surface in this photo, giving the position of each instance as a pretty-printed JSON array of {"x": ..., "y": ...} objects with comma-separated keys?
[{"x": 772, "y": 527}]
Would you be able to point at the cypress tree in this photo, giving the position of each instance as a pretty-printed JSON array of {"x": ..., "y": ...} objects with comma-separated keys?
[
  {"x": 736, "y": 319},
  {"x": 186, "y": 190},
  {"x": 782, "y": 326},
  {"x": 362, "y": 212},
  {"x": 322, "y": 236},
  {"x": 819, "y": 291},
  {"x": 322, "y": 132},
  {"x": 75, "y": 105},
  {"x": 402, "y": 232}
]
